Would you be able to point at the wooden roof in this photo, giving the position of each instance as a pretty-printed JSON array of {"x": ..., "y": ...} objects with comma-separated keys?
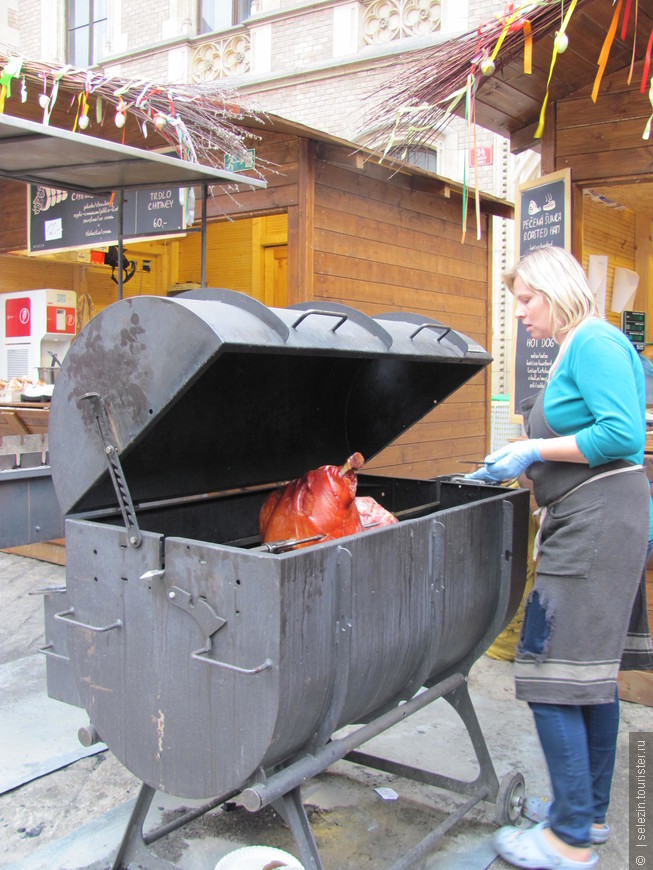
[
  {"x": 509, "y": 102},
  {"x": 428, "y": 88}
]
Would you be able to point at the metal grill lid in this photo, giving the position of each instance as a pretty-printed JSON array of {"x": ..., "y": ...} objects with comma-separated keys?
[{"x": 211, "y": 390}]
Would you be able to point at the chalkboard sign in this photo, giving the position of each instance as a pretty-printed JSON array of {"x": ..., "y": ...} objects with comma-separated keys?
[
  {"x": 542, "y": 217},
  {"x": 61, "y": 220}
]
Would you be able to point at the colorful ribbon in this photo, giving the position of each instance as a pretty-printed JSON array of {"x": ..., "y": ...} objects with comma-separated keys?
[
  {"x": 565, "y": 22},
  {"x": 647, "y": 63},
  {"x": 513, "y": 22},
  {"x": 605, "y": 50},
  {"x": 632, "y": 58},
  {"x": 10, "y": 71},
  {"x": 647, "y": 129}
]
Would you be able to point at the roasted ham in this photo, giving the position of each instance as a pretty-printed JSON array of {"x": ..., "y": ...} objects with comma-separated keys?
[{"x": 320, "y": 503}]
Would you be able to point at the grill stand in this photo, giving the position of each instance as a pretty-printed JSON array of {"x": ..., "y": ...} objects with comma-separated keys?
[{"x": 282, "y": 789}]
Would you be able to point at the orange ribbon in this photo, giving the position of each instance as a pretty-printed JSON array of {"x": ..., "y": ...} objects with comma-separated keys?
[
  {"x": 605, "y": 50},
  {"x": 528, "y": 48}
]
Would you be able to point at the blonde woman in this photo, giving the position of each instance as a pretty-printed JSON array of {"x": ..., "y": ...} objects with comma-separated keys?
[{"x": 586, "y": 615}]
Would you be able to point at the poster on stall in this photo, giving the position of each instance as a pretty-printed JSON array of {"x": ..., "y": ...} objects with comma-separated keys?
[
  {"x": 542, "y": 217},
  {"x": 61, "y": 220}
]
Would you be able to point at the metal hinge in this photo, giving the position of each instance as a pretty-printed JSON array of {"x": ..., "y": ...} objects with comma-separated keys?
[{"x": 125, "y": 502}]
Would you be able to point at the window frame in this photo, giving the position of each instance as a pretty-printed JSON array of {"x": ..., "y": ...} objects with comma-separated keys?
[
  {"x": 241, "y": 10},
  {"x": 93, "y": 55}
]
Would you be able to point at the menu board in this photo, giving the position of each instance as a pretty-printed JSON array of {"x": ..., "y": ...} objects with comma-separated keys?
[
  {"x": 542, "y": 217},
  {"x": 60, "y": 220}
]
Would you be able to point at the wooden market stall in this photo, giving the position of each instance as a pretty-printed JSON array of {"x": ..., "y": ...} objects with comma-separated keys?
[{"x": 334, "y": 223}]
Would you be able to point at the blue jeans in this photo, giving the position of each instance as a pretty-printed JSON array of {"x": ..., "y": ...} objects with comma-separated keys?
[{"x": 579, "y": 743}]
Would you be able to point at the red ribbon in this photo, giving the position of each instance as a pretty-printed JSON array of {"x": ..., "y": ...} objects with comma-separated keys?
[
  {"x": 625, "y": 21},
  {"x": 647, "y": 62}
]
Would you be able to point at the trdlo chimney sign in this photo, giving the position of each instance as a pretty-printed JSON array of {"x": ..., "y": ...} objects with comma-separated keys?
[
  {"x": 542, "y": 217},
  {"x": 61, "y": 220}
]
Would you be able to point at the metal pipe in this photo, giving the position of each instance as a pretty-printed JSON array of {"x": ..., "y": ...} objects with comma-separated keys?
[
  {"x": 121, "y": 208},
  {"x": 157, "y": 833},
  {"x": 425, "y": 846},
  {"x": 203, "y": 237},
  {"x": 260, "y": 794}
]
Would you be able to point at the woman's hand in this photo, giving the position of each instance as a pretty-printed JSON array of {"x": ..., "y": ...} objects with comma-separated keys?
[{"x": 510, "y": 461}]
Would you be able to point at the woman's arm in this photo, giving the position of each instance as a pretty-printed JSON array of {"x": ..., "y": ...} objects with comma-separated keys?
[{"x": 562, "y": 449}]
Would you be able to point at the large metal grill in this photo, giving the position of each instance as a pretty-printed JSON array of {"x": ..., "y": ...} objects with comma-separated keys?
[{"x": 212, "y": 666}]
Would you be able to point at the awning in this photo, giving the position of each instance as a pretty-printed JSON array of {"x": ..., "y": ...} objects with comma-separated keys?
[{"x": 38, "y": 154}]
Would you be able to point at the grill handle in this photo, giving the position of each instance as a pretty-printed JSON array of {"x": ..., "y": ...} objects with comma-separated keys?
[
  {"x": 341, "y": 317},
  {"x": 444, "y": 330},
  {"x": 197, "y": 655},
  {"x": 453, "y": 339},
  {"x": 344, "y": 313},
  {"x": 48, "y": 650},
  {"x": 64, "y": 616}
]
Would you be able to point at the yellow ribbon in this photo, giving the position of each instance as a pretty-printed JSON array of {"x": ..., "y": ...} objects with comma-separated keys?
[{"x": 565, "y": 22}]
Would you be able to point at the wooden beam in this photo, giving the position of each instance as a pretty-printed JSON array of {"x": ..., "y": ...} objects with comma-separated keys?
[{"x": 306, "y": 215}]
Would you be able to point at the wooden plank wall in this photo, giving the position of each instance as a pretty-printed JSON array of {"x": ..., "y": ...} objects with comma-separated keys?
[
  {"x": 608, "y": 231},
  {"x": 277, "y": 154},
  {"x": 228, "y": 256},
  {"x": 603, "y": 140},
  {"x": 382, "y": 244}
]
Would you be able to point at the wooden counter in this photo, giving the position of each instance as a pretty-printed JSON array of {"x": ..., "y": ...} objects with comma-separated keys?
[{"x": 24, "y": 418}]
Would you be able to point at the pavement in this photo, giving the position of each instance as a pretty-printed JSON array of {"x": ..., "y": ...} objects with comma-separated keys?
[{"x": 64, "y": 806}]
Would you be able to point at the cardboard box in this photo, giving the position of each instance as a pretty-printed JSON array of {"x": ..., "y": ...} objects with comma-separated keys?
[{"x": 9, "y": 396}]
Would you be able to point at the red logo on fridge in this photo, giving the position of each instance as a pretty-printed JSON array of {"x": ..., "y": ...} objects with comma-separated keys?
[{"x": 17, "y": 317}]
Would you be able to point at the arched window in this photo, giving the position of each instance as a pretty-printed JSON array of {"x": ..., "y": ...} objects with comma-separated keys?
[{"x": 417, "y": 155}]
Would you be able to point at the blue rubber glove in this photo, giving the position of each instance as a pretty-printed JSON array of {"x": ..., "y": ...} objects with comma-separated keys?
[{"x": 508, "y": 462}]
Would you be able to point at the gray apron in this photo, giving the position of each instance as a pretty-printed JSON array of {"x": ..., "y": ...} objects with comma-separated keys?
[{"x": 585, "y": 610}]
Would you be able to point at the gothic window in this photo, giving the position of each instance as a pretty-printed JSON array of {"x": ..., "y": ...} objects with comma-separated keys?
[{"x": 86, "y": 27}]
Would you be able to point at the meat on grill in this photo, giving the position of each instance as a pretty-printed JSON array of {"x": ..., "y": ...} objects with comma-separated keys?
[
  {"x": 372, "y": 514},
  {"x": 321, "y": 502}
]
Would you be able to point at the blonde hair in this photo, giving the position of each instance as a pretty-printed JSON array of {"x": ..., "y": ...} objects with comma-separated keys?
[{"x": 559, "y": 277}]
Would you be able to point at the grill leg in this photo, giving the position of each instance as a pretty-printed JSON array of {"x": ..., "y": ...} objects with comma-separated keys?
[
  {"x": 484, "y": 787},
  {"x": 486, "y": 783},
  {"x": 133, "y": 847},
  {"x": 291, "y": 809},
  {"x": 462, "y": 704}
]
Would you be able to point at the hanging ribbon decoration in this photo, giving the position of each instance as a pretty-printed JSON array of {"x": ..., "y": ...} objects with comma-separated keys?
[
  {"x": 647, "y": 129},
  {"x": 556, "y": 43},
  {"x": 512, "y": 22},
  {"x": 647, "y": 63},
  {"x": 605, "y": 50},
  {"x": 11, "y": 71},
  {"x": 632, "y": 58},
  {"x": 77, "y": 113},
  {"x": 528, "y": 47},
  {"x": 477, "y": 194},
  {"x": 468, "y": 113},
  {"x": 624, "y": 23}
]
